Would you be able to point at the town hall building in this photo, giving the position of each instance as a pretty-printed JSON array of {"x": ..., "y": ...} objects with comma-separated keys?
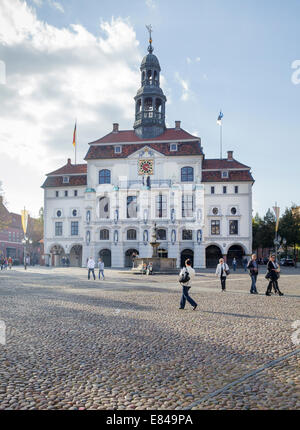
[{"x": 146, "y": 177}]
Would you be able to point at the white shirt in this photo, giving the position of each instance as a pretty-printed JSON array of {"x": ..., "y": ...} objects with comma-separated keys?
[
  {"x": 219, "y": 269},
  {"x": 91, "y": 264},
  {"x": 192, "y": 275}
]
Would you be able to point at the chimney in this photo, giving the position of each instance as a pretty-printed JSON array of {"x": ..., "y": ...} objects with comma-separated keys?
[
  {"x": 177, "y": 125},
  {"x": 115, "y": 127},
  {"x": 69, "y": 160},
  {"x": 229, "y": 155}
]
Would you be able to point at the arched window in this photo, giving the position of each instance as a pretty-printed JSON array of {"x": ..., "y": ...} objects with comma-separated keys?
[
  {"x": 104, "y": 176},
  {"x": 149, "y": 76},
  {"x": 104, "y": 207},
  {"x": 158, "y": 105},
  {"x": 148, "y": 103},
  {"x": 131, "y": 234},
  {"x": 138, "y": 106},
  {"x": 187, "y": 174},
  {"x": 162, "y": 234},
  {"x": 143, "y": 76},
  {"x": 155, "y": 77},
  {"x": 104, "y": 234}
]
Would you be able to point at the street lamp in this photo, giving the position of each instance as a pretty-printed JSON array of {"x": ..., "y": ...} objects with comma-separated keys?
[
  {"x": 26, "y": 241},
  {"x": 284, "y": 244}
]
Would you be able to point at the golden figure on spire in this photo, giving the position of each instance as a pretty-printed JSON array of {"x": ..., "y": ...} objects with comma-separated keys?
[{"x": 149, "y": 28}]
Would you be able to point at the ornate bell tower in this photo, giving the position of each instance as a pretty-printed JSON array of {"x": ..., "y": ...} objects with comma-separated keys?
[{"x": 150, "y": 100}]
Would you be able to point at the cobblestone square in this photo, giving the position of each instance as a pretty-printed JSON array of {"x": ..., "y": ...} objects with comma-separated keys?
[{"x": 123, "y": 343}]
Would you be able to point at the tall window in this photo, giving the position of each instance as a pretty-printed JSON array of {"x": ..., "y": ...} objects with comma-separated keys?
[
  {"x": 212, "y": 190},
  {"x": 233, "y": 227},
  {"x": 75, "y": 193},
  {"x": 187, "y": 235},
  {"x": 215, "y": 227},
  {"x": 74, "y": 228},
  {"x": 104, "y": 207},
  {"x": 131, "y": 207},
  {"x": 58, "y": 228},
  {"x": 187, "y": 205},
  {"x": 161, "y": 206},
  {"x": 56, "y": 193},
  {"x": 131, "y": 234},
  {"x": 66, "y": 193},
  {"x": 162, "y": 234},
  {"x": 187, "y": 174},
  {"x": 104, "y": 176},
  {"x": 224, "y": 189},
  {"x": 236, "y": 189},
  {"x": 104, "y": 234}
]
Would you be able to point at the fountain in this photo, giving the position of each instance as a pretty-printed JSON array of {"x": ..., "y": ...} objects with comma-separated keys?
[{"x": 159, "y": 264}]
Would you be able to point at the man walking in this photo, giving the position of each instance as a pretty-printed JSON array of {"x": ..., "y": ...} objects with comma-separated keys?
[
  {"x": 234, "y": 264},
  {"x": 101, "y": 268},
  {"x": 91, "y": 267},
  {"x": 187, "y": 274},
  {"x": 253, "y": 272}
]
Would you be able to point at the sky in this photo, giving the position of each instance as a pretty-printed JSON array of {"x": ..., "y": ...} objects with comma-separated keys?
[{"x": 79, "y": 59}]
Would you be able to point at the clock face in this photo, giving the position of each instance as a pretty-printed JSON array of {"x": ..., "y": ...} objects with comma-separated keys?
[{"x": 145, "y": 167}]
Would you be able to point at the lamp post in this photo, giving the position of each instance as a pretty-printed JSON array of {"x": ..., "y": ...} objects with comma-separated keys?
[
  {"x": 284, "y": 244},
  {"x": 277, "y": 237},
  {"x": 25, "y": 242}
]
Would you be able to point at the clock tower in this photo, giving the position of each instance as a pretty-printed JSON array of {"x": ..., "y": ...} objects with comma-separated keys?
[{"x": 150, "y": 100}]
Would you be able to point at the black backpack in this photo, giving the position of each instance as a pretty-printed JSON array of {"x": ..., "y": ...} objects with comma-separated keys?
[{"x": 185, "y": 277}]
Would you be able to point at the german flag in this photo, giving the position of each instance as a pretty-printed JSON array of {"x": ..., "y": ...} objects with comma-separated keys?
[{"x": 74, "y": 136}]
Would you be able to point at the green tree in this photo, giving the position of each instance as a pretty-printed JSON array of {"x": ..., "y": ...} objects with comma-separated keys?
[{"x": 289, "y": 227}]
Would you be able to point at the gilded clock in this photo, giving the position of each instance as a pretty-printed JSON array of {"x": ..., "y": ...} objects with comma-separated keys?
[{"x": 146, "y": 167}]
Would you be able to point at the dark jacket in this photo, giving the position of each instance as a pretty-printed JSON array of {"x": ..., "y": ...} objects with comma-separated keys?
[
  {"x": 274, "y": 275},
  {"x": 251, "y": 267}
]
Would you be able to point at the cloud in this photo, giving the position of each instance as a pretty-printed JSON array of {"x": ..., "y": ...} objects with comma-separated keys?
[
  {"x": 56, "y": 6},
  {"x": 186, "y": 92},
  {"x": 190, "y": 60},
  {"x": 54, "y": 75},
  {"x": 151, "y": 4}
]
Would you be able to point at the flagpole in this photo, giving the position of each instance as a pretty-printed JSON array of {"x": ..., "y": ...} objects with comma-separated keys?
[
  {"x": 75, "y": 146},
  {"x": 221, "y": 141}
]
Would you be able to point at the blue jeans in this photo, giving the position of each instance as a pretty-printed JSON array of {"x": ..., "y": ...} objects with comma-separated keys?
[
  {"x": 185, "y": 297},
  {"x": 89, "y": 273},
  {"x": 101, "y": 272},
  {"x": 253, "y": 283}
]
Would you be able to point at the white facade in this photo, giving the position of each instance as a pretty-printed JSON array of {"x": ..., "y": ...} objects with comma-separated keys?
[{"x": 203, "y": 209}]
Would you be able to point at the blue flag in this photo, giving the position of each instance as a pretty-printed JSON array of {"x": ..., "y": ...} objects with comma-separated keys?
[{"x": 219, "y": 120}]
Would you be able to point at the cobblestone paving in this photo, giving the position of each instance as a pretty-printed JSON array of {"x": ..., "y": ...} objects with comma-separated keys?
[{"x": 122, "y": 343}]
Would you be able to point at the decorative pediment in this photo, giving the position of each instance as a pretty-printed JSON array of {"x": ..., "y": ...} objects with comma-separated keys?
[{"x": 146, "y": 152}]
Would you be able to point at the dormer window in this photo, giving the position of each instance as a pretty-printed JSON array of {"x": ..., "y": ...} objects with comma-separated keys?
[
  {"x": 173, "y": 147},
  {"x": 118, "y": 149},
  {"x": 225, "y": 174},
  {"x": 66, "y": 179}
]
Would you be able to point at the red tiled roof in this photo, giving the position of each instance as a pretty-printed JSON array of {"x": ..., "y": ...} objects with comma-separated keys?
[
  {"x": 57, "y": 181},
  {"x": 69, "y": 169},
  {"x": 125, "y": 136},
  {"x": 107, "y": 151},
  {"x": 215, "y": 163},
  {"x": 234, "y": 176}
]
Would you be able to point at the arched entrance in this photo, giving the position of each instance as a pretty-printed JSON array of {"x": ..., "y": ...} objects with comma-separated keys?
[
  {"x": 212, "y": 255},
  {"x": 129, "y": 257},
  {"x": 76, "y": 256},
  {"x": 162, "y": 253},
  {"x": 105, "y": 255},
  {"x": 237, "y": 252},
  {"x": 185, "y": 254},
  {"x": 57, "y": 252}
]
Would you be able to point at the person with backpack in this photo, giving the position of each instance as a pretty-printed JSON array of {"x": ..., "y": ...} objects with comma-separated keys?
[
  {"x": 222, "y": 271},
  {"x": 253, "y": 272},
  {"x": 186, "y": 276}
]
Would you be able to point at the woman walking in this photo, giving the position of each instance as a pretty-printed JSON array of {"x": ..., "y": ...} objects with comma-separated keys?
[
  {"x": 273, "y": 276},
  {"x": 222, "y": 271}
]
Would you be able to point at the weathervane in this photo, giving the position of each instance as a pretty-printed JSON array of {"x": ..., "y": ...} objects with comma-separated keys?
[{"x": 149, "y": 28}]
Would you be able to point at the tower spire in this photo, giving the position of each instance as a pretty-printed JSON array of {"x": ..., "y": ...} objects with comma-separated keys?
[{"x": 150, "y": 47}]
